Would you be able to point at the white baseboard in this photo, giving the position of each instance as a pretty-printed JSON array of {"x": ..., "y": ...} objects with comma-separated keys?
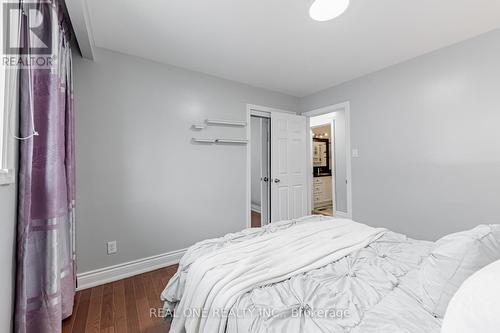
[
  {"x": 121, "y": 271},
  {"x": 342, "y": 215},
  {"x": 256, "y": 208}
]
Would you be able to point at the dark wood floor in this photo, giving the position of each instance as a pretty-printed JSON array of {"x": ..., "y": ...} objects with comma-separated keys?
[
  {"x": 123, "y": 306},
  {"x": 255, "y": 221}
]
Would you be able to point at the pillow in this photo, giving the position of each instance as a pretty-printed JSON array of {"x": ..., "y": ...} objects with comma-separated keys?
[
  {"x": 453, "y": 259},
  {"x": 475, "y": 306}
]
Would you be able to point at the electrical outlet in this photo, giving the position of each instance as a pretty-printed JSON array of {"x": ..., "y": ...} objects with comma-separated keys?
[{"x": 112, "y": 247}]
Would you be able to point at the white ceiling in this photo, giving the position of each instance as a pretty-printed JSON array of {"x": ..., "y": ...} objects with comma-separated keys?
[{"x": 275, "y": 45}]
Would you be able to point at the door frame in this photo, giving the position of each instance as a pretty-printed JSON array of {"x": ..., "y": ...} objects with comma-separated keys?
[
  {"x": 346, "y": 107},
  {"x": 260, "y": 111}
]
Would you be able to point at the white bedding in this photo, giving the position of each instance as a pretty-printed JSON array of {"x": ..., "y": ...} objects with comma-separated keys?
[
  {"x": 219, "y": 278},
  {"x": 361, "y": 285},
  {"x": 370, "y": 290},
  {"x": 476, "y": 305}
]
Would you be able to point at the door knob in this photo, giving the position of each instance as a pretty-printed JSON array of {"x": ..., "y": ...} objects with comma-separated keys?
[
  {"x": 265, "y": 179},
  {"x": 276, "y": 180}
]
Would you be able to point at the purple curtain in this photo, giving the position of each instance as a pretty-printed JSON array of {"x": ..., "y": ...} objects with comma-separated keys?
[{"x": 45, "y": 281}]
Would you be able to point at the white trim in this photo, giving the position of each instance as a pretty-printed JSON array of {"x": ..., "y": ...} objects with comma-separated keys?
[
  {"x": 248, "y": 208},
  {"x": 261, "y": 114},
  {"x": 260, "y": 111},
  {"x": 7, "y": 177},
  {"x": 349, "y": 158},
  {"x": 309, "y": 167},
  {"x": 8, "y": 151},
  {"x": 121, "y": 271},
  {"x": 333, "y": 130},
  {"x": 265, "y": 109},
  {"x": 342, "y": 215},
  {"x": 346, "y": 107},
  {"x": 80, "y": 20},
  {"x": 3, "y": 107}
]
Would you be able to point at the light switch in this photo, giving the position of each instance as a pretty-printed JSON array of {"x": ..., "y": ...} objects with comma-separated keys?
[
  {"x": 355, "y": 152},
  {"x": 112, "y": 247}
]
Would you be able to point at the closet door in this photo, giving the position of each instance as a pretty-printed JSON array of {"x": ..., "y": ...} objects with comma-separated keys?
[{"x": 288, "y": 167}]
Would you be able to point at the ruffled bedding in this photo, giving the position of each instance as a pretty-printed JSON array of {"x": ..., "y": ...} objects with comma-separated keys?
[{"x": 369, "y": 290}]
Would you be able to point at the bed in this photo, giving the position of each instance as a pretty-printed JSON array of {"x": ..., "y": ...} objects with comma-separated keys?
[{"x": 374, "y": 283}]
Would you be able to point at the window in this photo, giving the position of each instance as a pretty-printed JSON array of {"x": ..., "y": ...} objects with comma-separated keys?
[
  {"x": 2, "y": 115},
  {"x": 2, "y": 121},
  {"x": 6, "y": 166},
  {"x": 2, "y": 99}
]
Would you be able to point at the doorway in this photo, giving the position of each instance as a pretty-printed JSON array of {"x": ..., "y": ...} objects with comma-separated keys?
[
  {"x": 330, "y": 161},
  {"x": 323, "y": 152},
  {"x": 282, "y": 181},
  {"x": 260, "y": 145}
]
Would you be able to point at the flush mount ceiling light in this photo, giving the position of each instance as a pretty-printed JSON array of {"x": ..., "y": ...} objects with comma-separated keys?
[{"x": 325, "y": 10}]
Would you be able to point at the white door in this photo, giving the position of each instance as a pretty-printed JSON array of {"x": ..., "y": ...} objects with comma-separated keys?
[{"x": 288, "y": 167}]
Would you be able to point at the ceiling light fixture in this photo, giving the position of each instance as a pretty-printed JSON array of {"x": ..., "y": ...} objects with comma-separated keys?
[{"x": 325, "y": 10}]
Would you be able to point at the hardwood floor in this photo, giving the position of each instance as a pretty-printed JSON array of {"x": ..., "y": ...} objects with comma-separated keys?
[
  {"x": 125, "y": 306},
  {"x": 255, "y": 221}
]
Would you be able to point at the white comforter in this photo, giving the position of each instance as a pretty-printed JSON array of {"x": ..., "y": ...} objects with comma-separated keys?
[{"x": 218, "y": 279}]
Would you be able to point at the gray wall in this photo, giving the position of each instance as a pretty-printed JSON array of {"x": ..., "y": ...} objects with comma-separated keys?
[
  {"x": 8, "y": 223},
  {"x": 426, "y": 129},
  {"x": 8, "y": 196},
  {"x": 140, "y": 180},
  {"x": 429, "y": 140}
]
